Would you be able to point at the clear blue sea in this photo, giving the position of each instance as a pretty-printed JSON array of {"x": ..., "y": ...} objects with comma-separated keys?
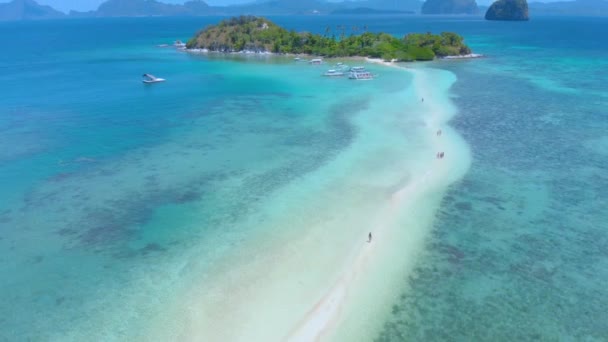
[{"x": 116, "y": 197}]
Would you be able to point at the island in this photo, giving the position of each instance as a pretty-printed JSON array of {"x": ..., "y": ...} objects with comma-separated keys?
[
  {"x": 513, "y": 10},
  {"x": 449, "y": 7},
  {"x": 260, "y": 35},
  {"x": 27, "y": 10}
]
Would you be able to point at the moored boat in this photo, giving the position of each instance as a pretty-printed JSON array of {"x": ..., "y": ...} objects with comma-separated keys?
[
  {"x": 333, "y": 73},
  {"x": 316, "y": 61},
  {"x": 149, "y": 78},
  {"x": 361, "y": 75}
]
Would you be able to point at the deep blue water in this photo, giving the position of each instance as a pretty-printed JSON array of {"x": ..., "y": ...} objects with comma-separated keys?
[{"x": 519, "y": 250}]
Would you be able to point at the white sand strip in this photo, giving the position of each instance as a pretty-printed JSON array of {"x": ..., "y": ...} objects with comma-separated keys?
[{"x": 326, "y": 313}]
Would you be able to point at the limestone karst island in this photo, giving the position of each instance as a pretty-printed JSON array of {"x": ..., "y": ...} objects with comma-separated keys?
[
  {"x": 256, "y": 34},
  {"x": 513, "y": 10}
]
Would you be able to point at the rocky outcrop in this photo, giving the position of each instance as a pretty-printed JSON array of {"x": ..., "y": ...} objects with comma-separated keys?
[
  {"x": 508, "y": 10},
  {"x": 449, "y": 7}
]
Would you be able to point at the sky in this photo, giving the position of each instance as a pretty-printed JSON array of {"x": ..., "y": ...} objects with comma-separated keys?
[{"x": 87, "y": 5}]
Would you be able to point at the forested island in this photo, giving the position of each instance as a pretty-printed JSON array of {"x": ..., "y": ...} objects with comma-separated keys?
[{"x": 255, "y": 34}]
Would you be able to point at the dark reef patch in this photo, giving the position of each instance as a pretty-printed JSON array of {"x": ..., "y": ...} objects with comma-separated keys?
[
  {"x": 467, "y": 206},
  {"x": 529, "y": 262}
]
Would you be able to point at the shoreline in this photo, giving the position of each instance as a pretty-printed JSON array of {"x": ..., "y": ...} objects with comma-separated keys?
[
  {"x": 275, "y": 54},
  {"x": 467, "y": 56}
]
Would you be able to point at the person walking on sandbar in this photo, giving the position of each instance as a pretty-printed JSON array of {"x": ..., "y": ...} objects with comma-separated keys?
[{"x": 369, "y": 237}]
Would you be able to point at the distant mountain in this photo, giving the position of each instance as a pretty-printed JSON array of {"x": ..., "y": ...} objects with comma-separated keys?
[
  {"x": 30, "y": 10},
  {"x": 27, "y": 10},
  {"x": 266, "y": 7},
  {"x": 449, "y": 7},
  {"x": 126, "y": 8},
  {"x": 281, "y": 7},
  {"x": 140, "y": 8},
  {"x": 367, "y": 11},
  {"x": 395, "y": 5},
  {"x": 578, "y": 7},
  {"x": 197, "y": 7}
]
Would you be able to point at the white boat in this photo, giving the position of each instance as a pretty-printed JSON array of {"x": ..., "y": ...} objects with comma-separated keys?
[
  {"x": 149, "y": 78},
  {"x": 361, "y": 75},
  {"x": 179, "y": 44},
  {"x": 297, "y": 59},
  {"x": 316, "y": 61},
  {"x": 333, "y": 73},
  {"x": 357, "y": 69}
]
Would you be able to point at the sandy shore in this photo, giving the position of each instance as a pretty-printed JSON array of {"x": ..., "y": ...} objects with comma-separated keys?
[{"x": 325, "y": 314}]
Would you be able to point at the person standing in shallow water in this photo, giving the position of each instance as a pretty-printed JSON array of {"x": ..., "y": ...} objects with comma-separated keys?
[{"x": 369, "y": 237}]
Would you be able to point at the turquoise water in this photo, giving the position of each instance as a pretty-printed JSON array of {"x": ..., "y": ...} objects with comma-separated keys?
[
  {"x": 116, "y": 197},
  {"x": 519, "y": 247}
]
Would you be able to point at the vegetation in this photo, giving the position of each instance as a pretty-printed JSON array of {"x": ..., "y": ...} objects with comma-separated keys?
[{"x": 247, "y": 33}]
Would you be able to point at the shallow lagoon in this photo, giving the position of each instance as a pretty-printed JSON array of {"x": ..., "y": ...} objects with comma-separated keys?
[{"x": 114, "y": 193}]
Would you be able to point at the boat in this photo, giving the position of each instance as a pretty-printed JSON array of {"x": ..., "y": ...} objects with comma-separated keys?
[
  {"x": 333, "y": 73},
  {"x": 297, "y": 59},
  {"x": 357, "y": 69},
  {"x": 361, "y": 75},
  {"x": 179, "y": 44},
  {"x": 149, "y": 78},
  {"x": 316, "y": 61}
]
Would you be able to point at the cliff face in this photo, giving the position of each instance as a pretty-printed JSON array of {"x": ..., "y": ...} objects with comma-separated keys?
[
  {"x": 27, "y": 10},
  {"x": 449, "y": 7},
  {"x": 508, "y": 10}
]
